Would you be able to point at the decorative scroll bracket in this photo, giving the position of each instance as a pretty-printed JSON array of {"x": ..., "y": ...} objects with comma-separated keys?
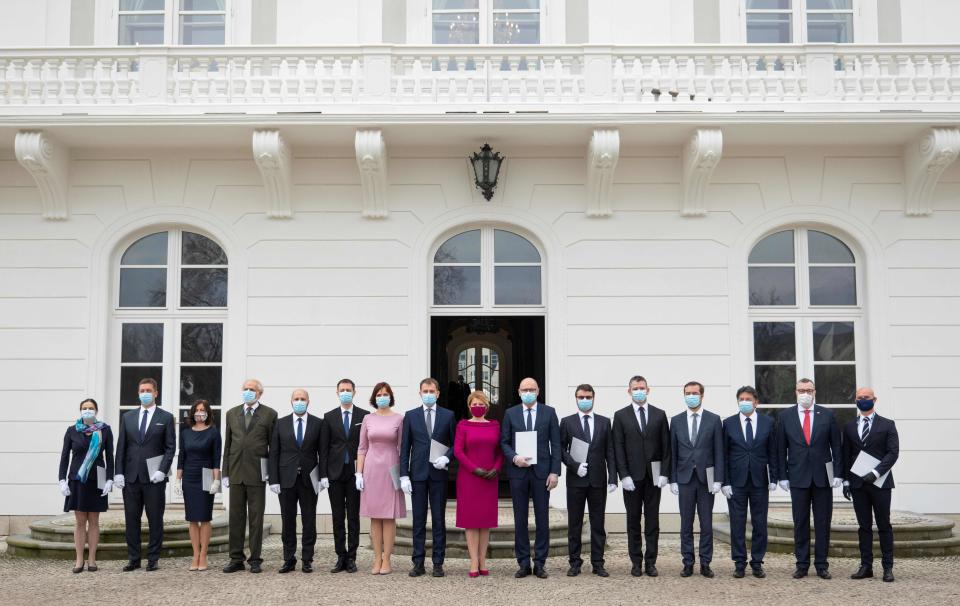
[
  {"x": 274, "y": 159},
  {"x": 602, "y": 156},
  {"x": 372, "y": 161},
  {"x": 47, "y": 161},
  {"x": 925, "y": 159},
  {"x": 700, "y": 157}
]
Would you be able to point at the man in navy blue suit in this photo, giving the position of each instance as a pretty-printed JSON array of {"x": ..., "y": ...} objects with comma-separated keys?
[
  {"x": 528, "y": 480},
  {"x": 750, "y": 444},
  {"x": 808, "y": 445},
  {"x": 424, "y": 479}
]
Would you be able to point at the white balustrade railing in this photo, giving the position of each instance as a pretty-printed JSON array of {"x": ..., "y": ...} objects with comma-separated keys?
[{"x": 476, "y": 78}]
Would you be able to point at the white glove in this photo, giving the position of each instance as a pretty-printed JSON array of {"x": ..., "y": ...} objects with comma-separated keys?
[
  {"x": 715, "y": 488},
  {"x": 440, "y": 463},
  {"x": 178, "y": 488},
  {"x": 215, "y": 487},
  {"x": 727, "y": 491},
  {"x": 785, "y": 485},
  {"x": 611, "y": 487},
  {"x": 158, "y": 476},
  {"x": 628, "y": 484},
  {"x": 773, "y": 486},
  {"x": 405, "y": 485},
  {"x": 107, "y": 487},
  {"x": 119, "y": 482},
  {"x": 675, "y": 489},
  {"x": 359, "y": 481},
  {"x": 275, "y": 488},
  {"x": 662, "y": 481},
  {"x": 225, "y": 482},
  {"x": 837, "y": 482},
  {"x": 324, "y": 483},
  {"x": 582, "y": 470},
  {"x": 64, "y": 488}
]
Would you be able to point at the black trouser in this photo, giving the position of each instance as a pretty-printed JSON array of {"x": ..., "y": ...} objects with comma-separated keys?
[
  {"x": 577, "y": 498},
  {"x": 300, "y": 493},
  {"x": 246, "y": 501},
  {"x": 345, "y": 504},
  {"x": 434, "y": 492},
  {"x": 696, "y": 499},
  {"x": 644, "y": 500},
  {"x": 870, "y": 502},
  {"x": 758, "y": 499},
  {"x": 821, "y": 499},
  {"x": 521, "y": 490},
  {"x": 138, "y": 496}
]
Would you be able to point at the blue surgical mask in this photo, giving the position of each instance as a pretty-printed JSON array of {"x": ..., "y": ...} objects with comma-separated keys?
[
  {"x": 428, "y": 399},
  {"x": 585, "y": 404},
  {"x": 639, "y": 395},
  {"x": 88, "y": 414},
  {"x": 692, "y": 401},
  {"x": 299, "y": 406},
  {"x": 746, "y": 406},
  {"x": 865, "y": 404},
  {"x": 528, "y": 397},
  {"x": 383, "y": 401},
  {"x": 249, "y": 396},
  {"x": 146, "y": 399},
  {"x": 346, "y": 397}
]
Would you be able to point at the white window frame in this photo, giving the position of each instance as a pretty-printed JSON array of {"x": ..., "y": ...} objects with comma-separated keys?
[
  {"x": 171, "y": 21},
  {"x": 485, "y": 13},
  {"x": 799, "y": 15}
]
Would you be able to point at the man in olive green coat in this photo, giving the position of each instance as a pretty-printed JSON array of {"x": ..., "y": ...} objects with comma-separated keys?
[{"x": 248, "y": 429}]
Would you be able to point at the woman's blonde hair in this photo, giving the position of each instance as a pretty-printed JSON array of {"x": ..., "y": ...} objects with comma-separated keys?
[{"x": 478, "y": 395}]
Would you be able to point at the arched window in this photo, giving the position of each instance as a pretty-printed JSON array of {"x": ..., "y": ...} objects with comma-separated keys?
[
  {"x": 487, "y": 268},
  {"x": 806, "y": 317},
  {"x": 479, "y": 365}
]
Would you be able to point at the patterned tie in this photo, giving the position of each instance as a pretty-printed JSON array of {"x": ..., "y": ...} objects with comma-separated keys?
[
  {"x": 143, "y": 425},
  {"x": 806, "y": 426},
  {"x": 695, "y": 430},
  {"x": 866, "y": 430},
  {"x": 749, "y": 433},
  {"x": 642, "y": 411},
  {"x": 299, "y": 432},
  {"x": 346, "y": 431},
  {"x": 247, "y": 417},
  {"x": 529, "y": 419},
  {"x": 430, "y": 420},
  {"x": 586, "y": 428}
]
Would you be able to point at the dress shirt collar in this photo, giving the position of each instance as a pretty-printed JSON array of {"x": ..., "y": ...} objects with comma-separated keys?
[
  {"x": 638, "y": 407},
  {"x": 252, "y": 407},
  {"x": 691, "y": 412},
  {"x": 872, "y": 416},
  {"x": 297, "y": 418}
]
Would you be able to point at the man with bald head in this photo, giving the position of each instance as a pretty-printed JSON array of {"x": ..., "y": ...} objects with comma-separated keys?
[
  {"x": 876, "y": 436},
  {"x": 531, "y": 480},
  {"x": 294, "y": 454}
]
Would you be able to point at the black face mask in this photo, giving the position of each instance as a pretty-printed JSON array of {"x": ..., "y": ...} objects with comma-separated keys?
[{"x": 865, "y": 404}]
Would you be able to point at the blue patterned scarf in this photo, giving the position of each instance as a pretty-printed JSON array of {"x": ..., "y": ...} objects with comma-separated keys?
[{"x": 93, "y": 451}]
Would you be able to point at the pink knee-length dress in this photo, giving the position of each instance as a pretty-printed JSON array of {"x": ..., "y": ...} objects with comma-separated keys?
[
  {"x": 380, "y": 443},
  {"x": 477, "y": 445}
]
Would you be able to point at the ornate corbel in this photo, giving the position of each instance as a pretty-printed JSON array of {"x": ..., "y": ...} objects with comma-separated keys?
[
  {"x": 47, "y": 161},
  {"x": 372, "y": 161},
  {"x": 925, "y": 159},
  {"x": 602, "y": 156},
  {"x": 274, "y": 159},
  {"x": 700, "y": 157}
]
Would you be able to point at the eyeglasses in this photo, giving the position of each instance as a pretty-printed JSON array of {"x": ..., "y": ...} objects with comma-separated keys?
[{"x": 810, "y": 391}]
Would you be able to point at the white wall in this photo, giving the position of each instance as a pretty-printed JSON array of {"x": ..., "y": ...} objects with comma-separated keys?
[
  {"x": 35, "y": 23},
  {"x": 930, "y": 21}
]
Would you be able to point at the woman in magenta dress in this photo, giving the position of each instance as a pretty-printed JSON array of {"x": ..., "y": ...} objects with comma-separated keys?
[
  {"x": 380, "y": 499},
  {"x": 477, "y": 448}
]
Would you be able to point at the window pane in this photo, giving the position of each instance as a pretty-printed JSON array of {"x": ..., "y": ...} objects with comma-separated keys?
[
  {"x": 456, "y": 28},
  {"x": 441, "y": 5},
  {"x": 203, "y": 5},
  {"x": 836, "y": 5},
  {"x": 508, "y": 247},
  {"x": 844, "y": 415},
  {"x": 201, "y": 343},
  {"x": 835, "y": 384},
  {"x": 833, "y": 286},
  {"x": 202, "y": 29},
  {"x": 776, "y": 384},
  {"x": 200, "y": 250},
  {"x": 203, "y": 288},
  {"x": 130, "y": 379},
  {"x": 830, "y": 27},
  {"x": 141, "y": 5},
  {"x": 184, "y": 411},
  {"x": 141, "y": 29},
  {"x": 148, "y": 250},
  {"x": 462, "y": 248},
  {"x": 824, "y": 248},
  {"x": 456, "y": 285},
  {"x": 516, "y": 28},
  {"x": 833, "y": 342},
  {"x": 200, "y": 383},
  {"x": 515, "y": 4},
  {"x": 142, "y": 343},
  {"x": 769, "y": 28},
  {"x": 775, "y": 248},
  {"x": 767, "y": 4},
  {"x": 772, "y": 286},
  {"x": 516, "y": 285},
  {"x": 774, "y": 341},
  {"x": 143, "y": 287}
]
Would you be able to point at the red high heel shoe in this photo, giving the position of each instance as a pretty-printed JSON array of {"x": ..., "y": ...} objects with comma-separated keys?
[
  {"x": 473, "y": 574},
  {"x": 484, "y": 573}
]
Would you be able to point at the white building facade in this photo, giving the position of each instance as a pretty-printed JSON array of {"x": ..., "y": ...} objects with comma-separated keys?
[{"x": 729, "y": 191}]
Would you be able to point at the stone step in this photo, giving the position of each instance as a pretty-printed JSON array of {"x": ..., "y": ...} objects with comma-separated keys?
[
  {"x": 27, "y": 547},
  {"x": 56, "y": 530}
]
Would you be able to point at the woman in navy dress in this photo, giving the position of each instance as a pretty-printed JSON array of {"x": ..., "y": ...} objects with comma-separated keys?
[
  {"x": 199, "y": 448},
  {"x": 90, "y": 443}
]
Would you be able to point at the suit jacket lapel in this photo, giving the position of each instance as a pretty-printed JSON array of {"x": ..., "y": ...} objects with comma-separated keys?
[
  {"x": 150, "y": 423},
  {"x": 685, "y": 431}
]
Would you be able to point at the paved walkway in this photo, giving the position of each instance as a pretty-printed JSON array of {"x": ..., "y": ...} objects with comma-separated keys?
[{"x": 33, "y": 582}]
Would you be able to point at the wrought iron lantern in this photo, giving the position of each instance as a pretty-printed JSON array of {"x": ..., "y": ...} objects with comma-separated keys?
[{"x": 486, "y": 169}]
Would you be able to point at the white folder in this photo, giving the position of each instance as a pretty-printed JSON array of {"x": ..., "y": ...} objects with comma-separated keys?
[
  {"x": 709, "y": 477},
  {"x": 865, "y": 464},
  {"x": 315, "y": 479},
  {"x": 526, "y": 445},
  {"x": 101, "y": 477},
  {"x": 655, "y": 470},
  {"x": 263, "y": 469},
  {"x": 395, "y": 476},
  {"x": 437, "y": 450},
  {"x": 829, "y": 465},
  {"x": 579, "y": 450},
  {"x": 153, "y": 464},
  {"x": 206, "y": 478}
]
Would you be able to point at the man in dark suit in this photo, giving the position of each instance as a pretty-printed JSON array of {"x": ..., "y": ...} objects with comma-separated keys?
[
  {"x": 294, "y": 454},
  {"x": 588, "y": 481},
  {"x": 426, "y": 480},
  {"x": 696, "y": 444},
  {"x": 144, "y": 435},
  {"x": 877, "y": 437},
  {"x": 808, "y": 445},
  {"x": 641, "y": 441},
  {"x": 750, "y": 450},
  {"x": 339, "y": 441},
  {"x": 248, "y": 428},
  {"x": 531, "y": 480}
]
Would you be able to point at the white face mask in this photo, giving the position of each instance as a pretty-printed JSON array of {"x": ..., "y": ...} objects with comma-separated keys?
[{"x": 805, "y": 400}]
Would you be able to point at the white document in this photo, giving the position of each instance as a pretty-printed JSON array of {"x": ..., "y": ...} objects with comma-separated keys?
[
  {"x": 579, "y": 450},
  {"x": 437, "y": 450},
  {"x": 655, "y": 470},
  {"x": 153, "y": 464},
  {"x": 263, "y": 469},
  {"x": 315, "y": 479},
  {"x": 709, "y": 477},
  {"x": 206, "y": 478},
  {"x": 830, "y": 471},
  {"x": 526, "y": 445},
  {"x": 865, "y": 464},
  {"x": 101, "y": 477},
  {"x": 395, "y": 476}
]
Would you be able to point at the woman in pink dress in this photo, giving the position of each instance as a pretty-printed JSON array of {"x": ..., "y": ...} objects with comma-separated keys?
[
  {"x": 380, "y": 499},
  {"x": 477, "y": 448}
]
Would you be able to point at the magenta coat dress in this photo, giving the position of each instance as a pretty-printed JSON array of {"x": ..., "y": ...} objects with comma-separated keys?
[
  {"x": 380, "y": 442},
  {"x": 477, "y": 445}
]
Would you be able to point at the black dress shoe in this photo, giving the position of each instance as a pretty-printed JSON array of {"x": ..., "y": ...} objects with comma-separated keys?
[
  {"x": 799, "y": 573},
  {"x": 234, "y": 567},
  {"x": 600, "y": 571},
  {"x": 92, "y": 568},
  {"x": 540, "y": 572},
  {"x": 438, "y": 571},
  {"x": 824, "y": 574},
  {"x": 288, "y": 566},
  {"x": 705, "y": 571},
  {"x": 573, "y": 571},
  {"x": 340, "y": 566},
  {"x": 739, "y": 573},
  {"x": 152, "y": 566},
  {"x": 888, "y": 575},
  {"x": 306, "y": 567},
  {"x": 687, "y": 570},
  {"x": 759, "y": 572},
  {"x": 864, "y": 572},
  {"x": 417, "y": 571},
  {"x": 132, "y": 565},
  {"x": 351, "y": 566},
  {"x": 651, "y": 570},
  {"x": 78, "y": 569},
  {"x": 255, "y": 568},
  {"x": 637, "y": 570},
  {"x": 523, "y": 571}
]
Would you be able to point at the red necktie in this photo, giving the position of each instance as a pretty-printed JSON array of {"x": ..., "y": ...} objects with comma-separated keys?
[{"x": 806, "y": 426}]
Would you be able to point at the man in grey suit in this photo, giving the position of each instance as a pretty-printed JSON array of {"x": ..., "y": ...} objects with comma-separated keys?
[{"x": 696, "y": 444}]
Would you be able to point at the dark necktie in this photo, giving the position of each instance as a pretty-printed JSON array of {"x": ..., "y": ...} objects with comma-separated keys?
[
  {"x": 586, "y": 428},
  {"x": 247, "y": 417},
  {"x": 866, "y": 430},
  {"x": 694, "y": 431},
  {"x": 430, "y": 421},
  {"x": 346, "y": 432},
  {"x": 642, "y": 412},
  {"x": 749, "y": 433},
  {"x": 299, "y": 432},
  {"x": 529, "y": 419},
  {"x": 143, "y": 425}
]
